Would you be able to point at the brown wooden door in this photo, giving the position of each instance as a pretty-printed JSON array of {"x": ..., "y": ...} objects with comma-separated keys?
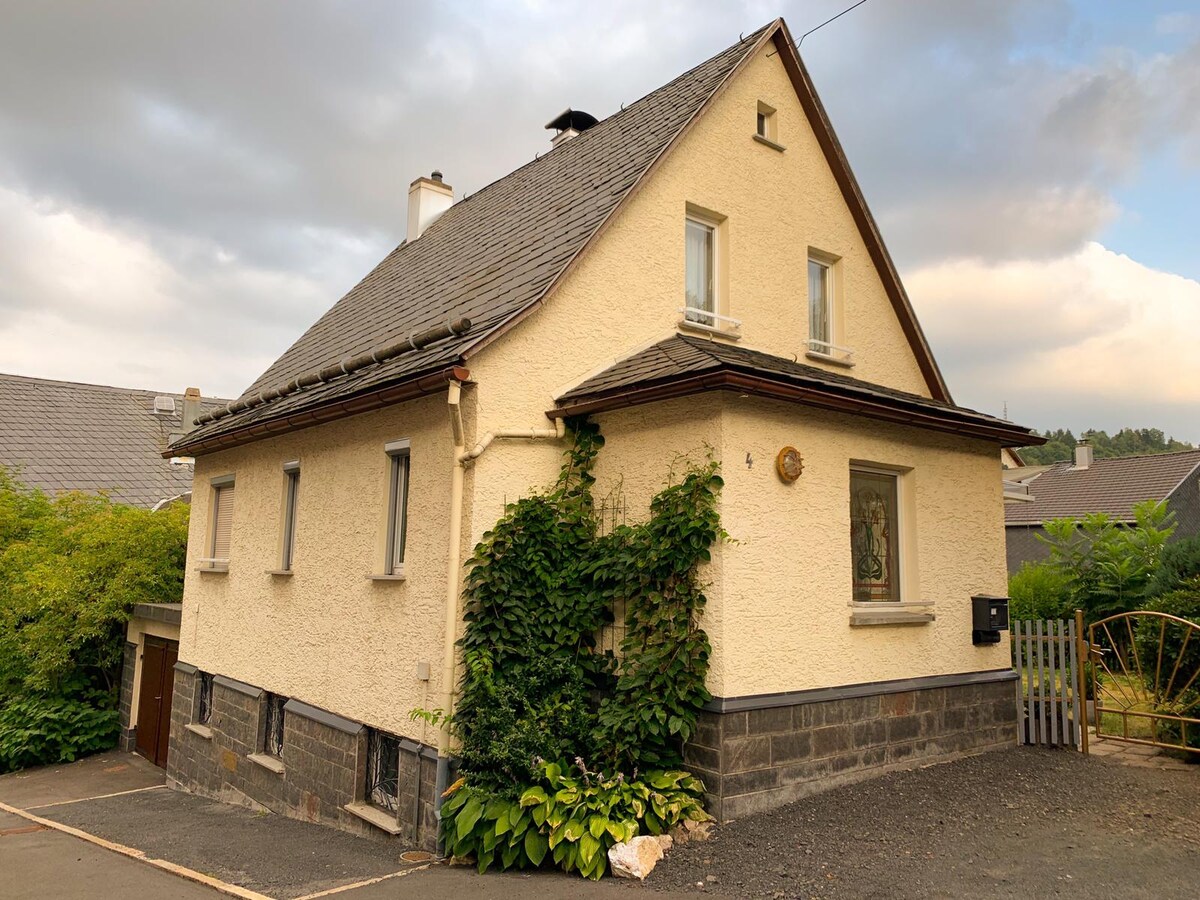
[{"x": 154, "y": 700}]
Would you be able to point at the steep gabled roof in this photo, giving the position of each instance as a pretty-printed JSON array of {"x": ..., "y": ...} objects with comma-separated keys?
[
  {"x": 65, "y": 436},
  {"x": 496, "y": 255},
  {"x": 1109, "y": 486},
  {"x": 683, "y": 365}
]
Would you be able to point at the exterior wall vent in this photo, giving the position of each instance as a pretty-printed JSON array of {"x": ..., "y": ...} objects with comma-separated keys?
[{"x": 164, "y": 406}]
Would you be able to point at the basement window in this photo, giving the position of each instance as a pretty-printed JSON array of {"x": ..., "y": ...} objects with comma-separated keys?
[
  {"x": 383, "y": 770},
  {"x": 273, "y": 728},
  {"x": 204, "y": 698}
]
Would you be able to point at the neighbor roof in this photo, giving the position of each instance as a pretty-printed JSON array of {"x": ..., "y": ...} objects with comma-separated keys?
[
  {"x": 495, "y": 255},
  {"x": 683, "y": 365},
  {"x": 1109, "y": 486},
  {"x": 64, "y": 436}
]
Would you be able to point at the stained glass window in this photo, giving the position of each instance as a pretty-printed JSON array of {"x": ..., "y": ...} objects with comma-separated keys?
[{"x": 874, "y": 535}]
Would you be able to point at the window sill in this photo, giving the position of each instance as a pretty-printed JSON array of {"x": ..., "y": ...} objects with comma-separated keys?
[
  {"x": 687, "y": 325},
  {"x": 372, "y": 815},
  {"x": 201, "y": 731},
  {"x": 399, "y": 576},
  {"x": 268, "y": 762},
  {"x": 282, "y": 573},
  {"x": 213, "y": 570},
  {"x": 767, "y": 142},
  {"x": 869, "y": 613},
  {"x": 827, "y": 358}
]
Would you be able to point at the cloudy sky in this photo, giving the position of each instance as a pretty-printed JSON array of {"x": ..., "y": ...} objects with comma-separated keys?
[{"x": 185, "y": 187}]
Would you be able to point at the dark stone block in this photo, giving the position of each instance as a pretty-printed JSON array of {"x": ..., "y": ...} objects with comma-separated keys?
[
  {"x": 746, "y": 753},
  {"x": 788, "y": 748},
  {"x": 769, "y": 721},
  {"x": 903, "y": 728},
  {"x": 831, "y": 740}
]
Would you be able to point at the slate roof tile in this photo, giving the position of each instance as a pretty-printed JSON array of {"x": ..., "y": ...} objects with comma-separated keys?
[
  {"x": 1109, "y": 486},
  {"x": 61, "y": 436}
]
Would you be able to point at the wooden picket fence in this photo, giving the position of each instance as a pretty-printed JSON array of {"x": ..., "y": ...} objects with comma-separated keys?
[{"x": 1049, "y": 696}]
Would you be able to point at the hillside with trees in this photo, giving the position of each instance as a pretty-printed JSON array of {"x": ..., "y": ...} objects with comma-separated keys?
[{"x": 1060, "y": 445}]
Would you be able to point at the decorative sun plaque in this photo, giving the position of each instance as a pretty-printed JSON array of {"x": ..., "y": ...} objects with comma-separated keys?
[{"x": 789, "y": 464}]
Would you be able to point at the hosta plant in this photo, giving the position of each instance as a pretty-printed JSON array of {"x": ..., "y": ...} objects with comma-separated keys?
[{"x": 570, "y": 816}]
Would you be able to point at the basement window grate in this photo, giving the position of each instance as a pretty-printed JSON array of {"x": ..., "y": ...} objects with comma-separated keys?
[
  {"x": 273, "y": 738},
  {"x": 204, "y": 706},
  {"x": 383, "y": 770}
]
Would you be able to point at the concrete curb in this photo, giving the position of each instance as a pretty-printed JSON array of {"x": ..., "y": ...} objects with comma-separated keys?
[{"x": 182, "y": 871}]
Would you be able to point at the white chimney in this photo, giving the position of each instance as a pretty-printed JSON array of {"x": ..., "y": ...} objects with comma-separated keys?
[
  {"x": 428, "y": 198},
  {"x": 1084, "y": 454}
]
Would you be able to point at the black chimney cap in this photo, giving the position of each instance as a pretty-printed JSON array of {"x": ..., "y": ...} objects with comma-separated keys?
[{"x": 572, "y": 118}]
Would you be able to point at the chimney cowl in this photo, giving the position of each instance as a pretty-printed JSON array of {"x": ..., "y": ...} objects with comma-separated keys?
[
  {"x": 1085, "y": 455},
  {"x": 569, "y": 123},
  {"x": 428, "y": 198}
]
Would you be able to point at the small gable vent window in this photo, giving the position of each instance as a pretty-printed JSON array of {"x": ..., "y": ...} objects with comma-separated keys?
[{"x": 766, "y": 129}]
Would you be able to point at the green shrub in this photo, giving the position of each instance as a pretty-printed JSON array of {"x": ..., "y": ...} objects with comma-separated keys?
[
  {"x": 1040, "y": 591},
  {"x": 1178, "y": 563},
  {"x": 71, "y": 569},
  {"x": 1184, "y": 604},
  {"x": 1171, "y": 731},
  {"x": 569, "y": 815},
  {"x": 39, "y": 730}
]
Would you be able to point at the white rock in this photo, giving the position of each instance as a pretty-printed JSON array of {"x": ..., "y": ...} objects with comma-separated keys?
[{"x": 635, "y": 858}]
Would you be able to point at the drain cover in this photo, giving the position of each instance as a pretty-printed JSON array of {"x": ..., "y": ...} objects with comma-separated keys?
[{"x": 416, "y": 856}]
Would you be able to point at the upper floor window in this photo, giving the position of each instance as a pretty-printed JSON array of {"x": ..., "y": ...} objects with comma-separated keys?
[
  {"x": 701, "y": 276},
  {"x": 823, "y": 313},
  {"x": 820, "y": 305},
  {"x": 221, "y": 527},
  {"x": 398, "y": 453},
  {"x": 875, "y": 534},
  {"x": 291, "y": 493},
  {"x": 766, "y": 123}
]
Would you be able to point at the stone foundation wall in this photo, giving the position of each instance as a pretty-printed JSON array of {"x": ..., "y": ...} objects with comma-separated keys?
[
  {"x": 128, "y": 739},
  {"x": 753, "y": 759},
  {"x": 323, "y": 764}
]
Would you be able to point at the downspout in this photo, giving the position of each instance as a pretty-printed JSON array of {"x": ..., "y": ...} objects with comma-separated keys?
[{"x": 462, "y": 459}]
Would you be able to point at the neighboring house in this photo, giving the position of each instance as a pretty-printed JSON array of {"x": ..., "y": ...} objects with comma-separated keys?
[
  {"x": 1111, "y": 486},
  {"x": 61, "y": 436},
  {"x": 697, "y": 270}
]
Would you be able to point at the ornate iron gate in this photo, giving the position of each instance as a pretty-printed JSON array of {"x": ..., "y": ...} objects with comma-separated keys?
[{"x": 1145, "y": 679}]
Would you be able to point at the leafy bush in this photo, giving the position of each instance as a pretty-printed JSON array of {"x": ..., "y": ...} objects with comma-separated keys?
[
  {"x": 39, "y": 730},
  {"x": 1040, "y": 591},
  {"x": 1171, "y": 731},
  {"x": 71, "y": 569},
  {"x": 1183, "y": 604},
  {"x": 1109, "y": 564},
  {"x": 1178, "y": 563},
  {"x": 570, "y": 814}
]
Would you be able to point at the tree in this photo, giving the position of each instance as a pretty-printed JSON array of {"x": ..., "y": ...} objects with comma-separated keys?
[
  {"x": 71, "y": 569},
  {"x": 1060, "y": 445}
]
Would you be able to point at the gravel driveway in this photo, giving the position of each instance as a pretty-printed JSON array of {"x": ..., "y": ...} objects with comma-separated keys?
[{"x": 1016, "y": 823}]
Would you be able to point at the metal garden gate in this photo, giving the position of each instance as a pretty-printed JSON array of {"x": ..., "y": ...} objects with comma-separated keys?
[{"x": 1050, "y": 692}]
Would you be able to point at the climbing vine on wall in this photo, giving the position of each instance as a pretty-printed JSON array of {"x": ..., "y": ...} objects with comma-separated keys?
[{"x": 539, "y": 587}]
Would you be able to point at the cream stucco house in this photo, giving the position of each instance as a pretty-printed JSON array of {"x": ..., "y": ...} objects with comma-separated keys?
[{"x": 697, "y": 269}]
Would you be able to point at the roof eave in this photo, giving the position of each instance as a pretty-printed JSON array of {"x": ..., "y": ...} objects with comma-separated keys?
[
  {"x": 409, "y": 389},
  {"x": 809, "y": 395}
]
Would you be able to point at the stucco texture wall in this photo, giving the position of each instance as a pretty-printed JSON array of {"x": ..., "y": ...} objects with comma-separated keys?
[
  {"x": 787, "y": 579},
  {"x": 327, "y": 634}
]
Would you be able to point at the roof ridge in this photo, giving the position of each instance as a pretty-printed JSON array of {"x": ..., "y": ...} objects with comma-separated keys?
[{"x": 37, "y": 379}]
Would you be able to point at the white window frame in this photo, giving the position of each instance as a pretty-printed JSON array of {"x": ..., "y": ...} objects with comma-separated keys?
[
  {"x": 291, "y": 494},
  {"x": 826, "y": 349},
  {"x": 399, "y": 479},
  {"x": 699, "y": 315},
  {"x": 212, "y": 562}
]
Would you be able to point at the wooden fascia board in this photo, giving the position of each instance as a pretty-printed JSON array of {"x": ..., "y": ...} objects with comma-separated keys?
[
  {"x": 409, "y": 389},
  {"x": 835, "y": 156},
  {"x": 756, "y": 385},
  {"x": 503, "y": 328}
]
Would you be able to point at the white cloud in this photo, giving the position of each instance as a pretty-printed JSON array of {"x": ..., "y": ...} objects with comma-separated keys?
[{"x": 1094, "y": 337}]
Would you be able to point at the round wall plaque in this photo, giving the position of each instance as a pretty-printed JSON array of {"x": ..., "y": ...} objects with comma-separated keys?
[{"x": 789, "y": 464}]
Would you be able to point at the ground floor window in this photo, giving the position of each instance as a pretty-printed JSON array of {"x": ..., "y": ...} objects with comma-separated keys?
[
  {"x": 383, "y": 770},
  {"x": 875, "y": 534},
  {"x": 204, "y": 698},
  {"x": 273, "y": 732}
]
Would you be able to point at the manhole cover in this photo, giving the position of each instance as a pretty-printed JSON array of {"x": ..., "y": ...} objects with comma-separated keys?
[{"x": 416, "y": 856}]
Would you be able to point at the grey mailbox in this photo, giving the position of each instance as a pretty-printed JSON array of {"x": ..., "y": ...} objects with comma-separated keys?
[{"x": 989, "y": 617}]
